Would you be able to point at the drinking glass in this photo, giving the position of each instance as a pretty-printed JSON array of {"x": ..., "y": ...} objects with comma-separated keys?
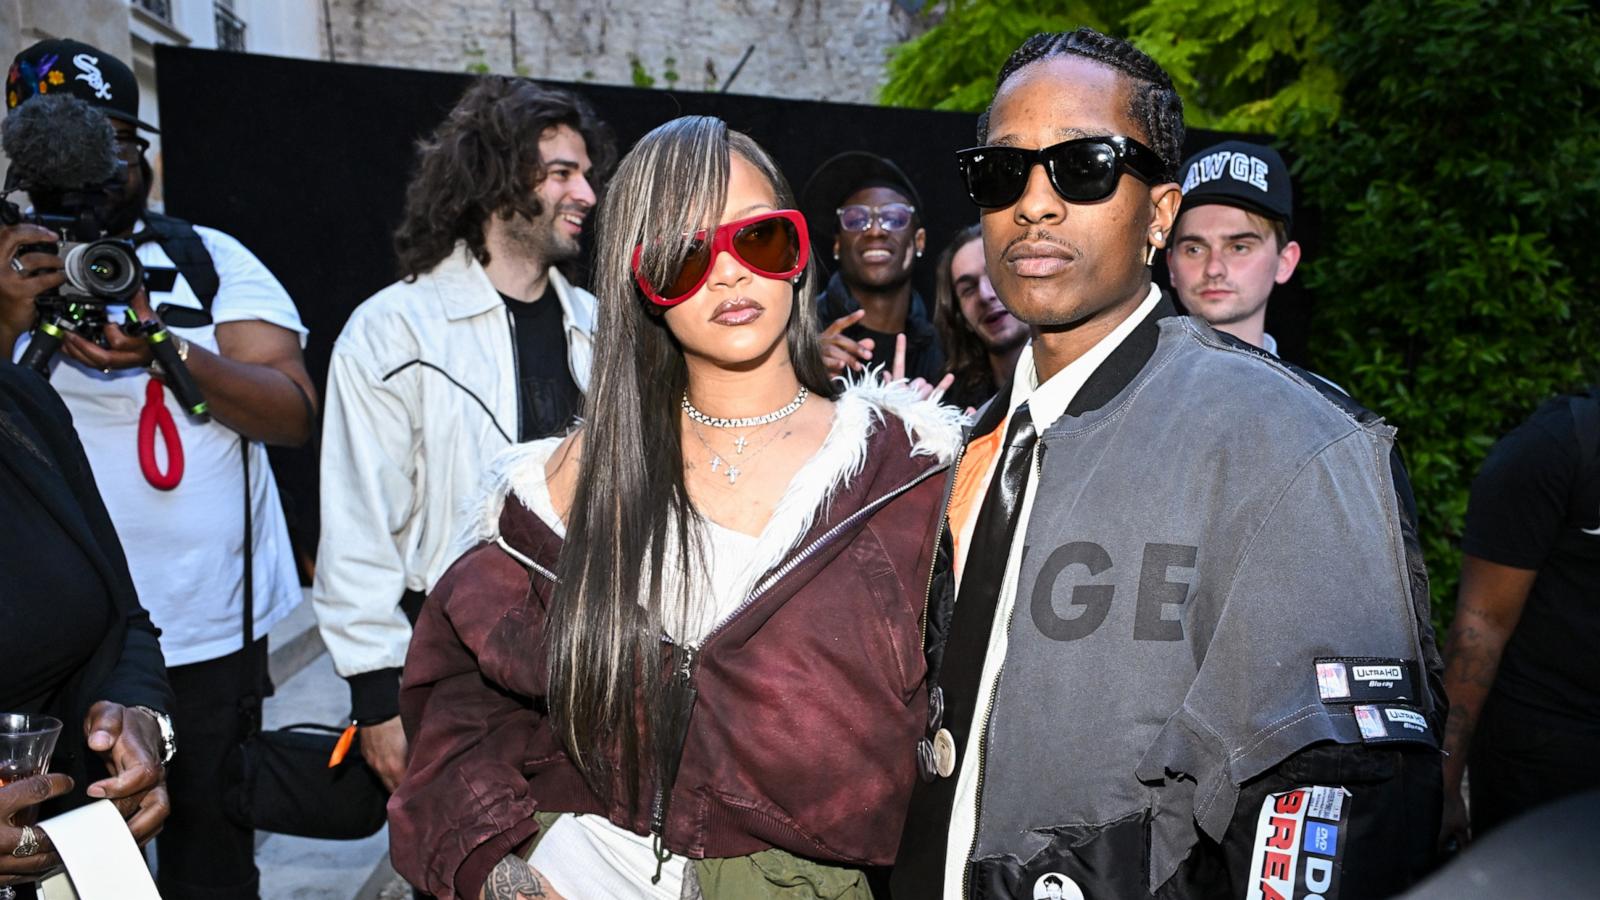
[{"x": 26, "y": 742}]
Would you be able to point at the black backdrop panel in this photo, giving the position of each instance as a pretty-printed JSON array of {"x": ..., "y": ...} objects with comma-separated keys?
[{"x": 306, "y": 162}]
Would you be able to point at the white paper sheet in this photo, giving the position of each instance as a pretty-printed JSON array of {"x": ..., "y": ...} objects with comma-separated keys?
[{"x": 101, "y": 858}]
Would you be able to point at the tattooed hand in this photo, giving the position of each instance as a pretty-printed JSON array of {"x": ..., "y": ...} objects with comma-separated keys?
[{"x": 514, "y": 879}]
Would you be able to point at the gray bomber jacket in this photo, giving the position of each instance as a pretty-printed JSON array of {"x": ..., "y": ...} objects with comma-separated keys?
[{"x": 1215, "y": 559}]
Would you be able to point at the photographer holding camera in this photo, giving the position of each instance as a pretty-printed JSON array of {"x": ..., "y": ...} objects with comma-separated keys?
[{"x": 181, "y": 513}]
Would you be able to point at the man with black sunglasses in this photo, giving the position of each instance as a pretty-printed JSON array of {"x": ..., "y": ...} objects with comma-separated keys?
[
  {"x": 869, "y": 208},
  {"x": 1177, "y": 646}
]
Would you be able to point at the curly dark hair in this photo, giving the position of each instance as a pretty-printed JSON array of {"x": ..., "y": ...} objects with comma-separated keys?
[
  {"x": 1153, "y": 101},
  {"x": 965, "y": 355},
  {"x": 483, "y": 160}
]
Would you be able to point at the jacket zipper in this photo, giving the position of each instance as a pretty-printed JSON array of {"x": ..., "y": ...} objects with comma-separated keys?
[
  {"x": 516, "y": 372},
  {"x": 692, "y": 651},
  {"x": 684, "y": 672},
  {"x": 938, "y": 535},
  {"x": 983, "y": 746},
  {"x": 811, "y": 549}
]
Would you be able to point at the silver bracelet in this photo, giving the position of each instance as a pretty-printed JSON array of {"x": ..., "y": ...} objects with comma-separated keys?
[{"x": 183, "y": 355}]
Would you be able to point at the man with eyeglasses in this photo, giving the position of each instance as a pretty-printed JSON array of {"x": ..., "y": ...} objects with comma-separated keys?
[
  {"x": 870, "y": 207},
  {"x": 1175, "y": 641},
  {"x": 182, "y": 518}
]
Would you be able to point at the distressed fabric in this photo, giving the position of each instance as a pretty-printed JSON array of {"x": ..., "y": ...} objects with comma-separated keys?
[{"x": 1196, "y": 543}]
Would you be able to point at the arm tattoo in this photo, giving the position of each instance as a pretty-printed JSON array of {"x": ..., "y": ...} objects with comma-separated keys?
[{"x": 513, "y": 879}]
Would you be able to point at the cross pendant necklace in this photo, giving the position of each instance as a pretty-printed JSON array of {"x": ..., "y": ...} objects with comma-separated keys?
[{"x": 739, "y": 443}]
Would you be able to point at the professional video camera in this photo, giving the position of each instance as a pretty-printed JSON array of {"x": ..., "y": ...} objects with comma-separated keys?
[{"x": 63, "y": 154}]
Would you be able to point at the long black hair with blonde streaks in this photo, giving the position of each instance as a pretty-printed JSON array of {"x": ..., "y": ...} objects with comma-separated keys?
[{"x": 631, "y": 509}]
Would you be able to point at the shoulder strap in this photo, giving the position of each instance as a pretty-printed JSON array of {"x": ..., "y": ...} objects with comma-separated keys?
[
  {"x": 249, "y": 554},
  {"x": 188, "y": 252}
]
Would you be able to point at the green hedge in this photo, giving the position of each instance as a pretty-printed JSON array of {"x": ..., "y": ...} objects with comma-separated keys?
[
  {"x": 1457, "y": 285},
  {"x": 1452, "y": 150}
]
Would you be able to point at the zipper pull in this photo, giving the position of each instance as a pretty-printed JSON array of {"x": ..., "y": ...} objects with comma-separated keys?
[
  {"x": 661, "y": 858},
  {"x": 686, "y": 664}
]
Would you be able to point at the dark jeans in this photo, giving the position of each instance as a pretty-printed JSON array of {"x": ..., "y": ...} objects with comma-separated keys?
[
  {"x": 1523, "y": 758},
  {"x": 201, "y": 853}
]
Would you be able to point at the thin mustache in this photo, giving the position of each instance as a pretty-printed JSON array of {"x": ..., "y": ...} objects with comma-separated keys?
[{"x": 1040, "y": 235}]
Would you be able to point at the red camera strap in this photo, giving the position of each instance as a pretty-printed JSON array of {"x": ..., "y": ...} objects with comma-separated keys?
[{"x": 152, "y": 418}]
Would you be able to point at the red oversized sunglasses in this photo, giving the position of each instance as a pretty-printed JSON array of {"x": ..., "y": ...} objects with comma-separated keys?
[{"x": 773, "y": 244}]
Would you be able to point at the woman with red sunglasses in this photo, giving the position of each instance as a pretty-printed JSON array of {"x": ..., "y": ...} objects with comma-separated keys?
[{"x": 684, "y": 657}]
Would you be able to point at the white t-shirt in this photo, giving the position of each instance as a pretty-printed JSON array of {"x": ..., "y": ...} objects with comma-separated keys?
[{"x": 185, "y": 547}]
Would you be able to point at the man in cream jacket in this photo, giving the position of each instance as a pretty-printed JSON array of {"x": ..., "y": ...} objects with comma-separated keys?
[{"x": 481, "y": 344}]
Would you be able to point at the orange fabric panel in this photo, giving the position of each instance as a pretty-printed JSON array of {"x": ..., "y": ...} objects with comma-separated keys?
[{"x": 966, "y": 497}]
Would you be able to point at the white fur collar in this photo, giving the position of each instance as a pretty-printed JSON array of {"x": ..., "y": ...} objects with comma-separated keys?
[{"x": 933, "y": 429}]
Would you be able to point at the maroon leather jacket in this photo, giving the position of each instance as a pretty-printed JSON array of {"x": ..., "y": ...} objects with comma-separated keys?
[{"x": 810, "y": 698}]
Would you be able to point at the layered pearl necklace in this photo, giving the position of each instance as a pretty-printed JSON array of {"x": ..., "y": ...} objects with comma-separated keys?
[{"x": 739, "y": 441}]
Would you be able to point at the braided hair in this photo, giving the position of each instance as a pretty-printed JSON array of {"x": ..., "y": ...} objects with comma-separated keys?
[{"x": 1153, "y": 103}]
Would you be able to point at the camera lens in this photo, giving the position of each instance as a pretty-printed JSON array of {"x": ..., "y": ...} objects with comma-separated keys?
[
  {"x": 107, "y": 269},
  {"x": 104, "y": 270}
]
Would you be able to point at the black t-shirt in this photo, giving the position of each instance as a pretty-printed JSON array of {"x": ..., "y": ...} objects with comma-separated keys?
[
  {"x": 924, "y": 358},
  {"x": 1536, "y": 505},
  {"x": 548, "y": 396},
  {"x": 54, "y": 609}
]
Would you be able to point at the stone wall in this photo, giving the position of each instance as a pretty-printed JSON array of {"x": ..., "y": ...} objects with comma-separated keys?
[
  {"x": 102, "y": 23},
  {"x": 804, "y": 49}
]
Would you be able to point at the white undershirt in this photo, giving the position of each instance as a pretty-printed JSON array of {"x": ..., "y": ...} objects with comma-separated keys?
[
  {"x": 586, "y": 857},
  {"x": 1046, "y": 403}
]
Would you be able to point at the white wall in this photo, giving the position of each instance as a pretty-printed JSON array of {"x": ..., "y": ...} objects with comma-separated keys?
[{"x": 273, "y": 27}]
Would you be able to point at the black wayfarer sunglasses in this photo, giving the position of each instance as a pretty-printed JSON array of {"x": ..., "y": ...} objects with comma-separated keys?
[{"x": 1082, "y": 170}]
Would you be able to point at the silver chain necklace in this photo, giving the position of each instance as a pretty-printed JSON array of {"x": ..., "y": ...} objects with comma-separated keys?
[
  {"x": 734, "y": 470},
  {"x": 748, "y": 422}
]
